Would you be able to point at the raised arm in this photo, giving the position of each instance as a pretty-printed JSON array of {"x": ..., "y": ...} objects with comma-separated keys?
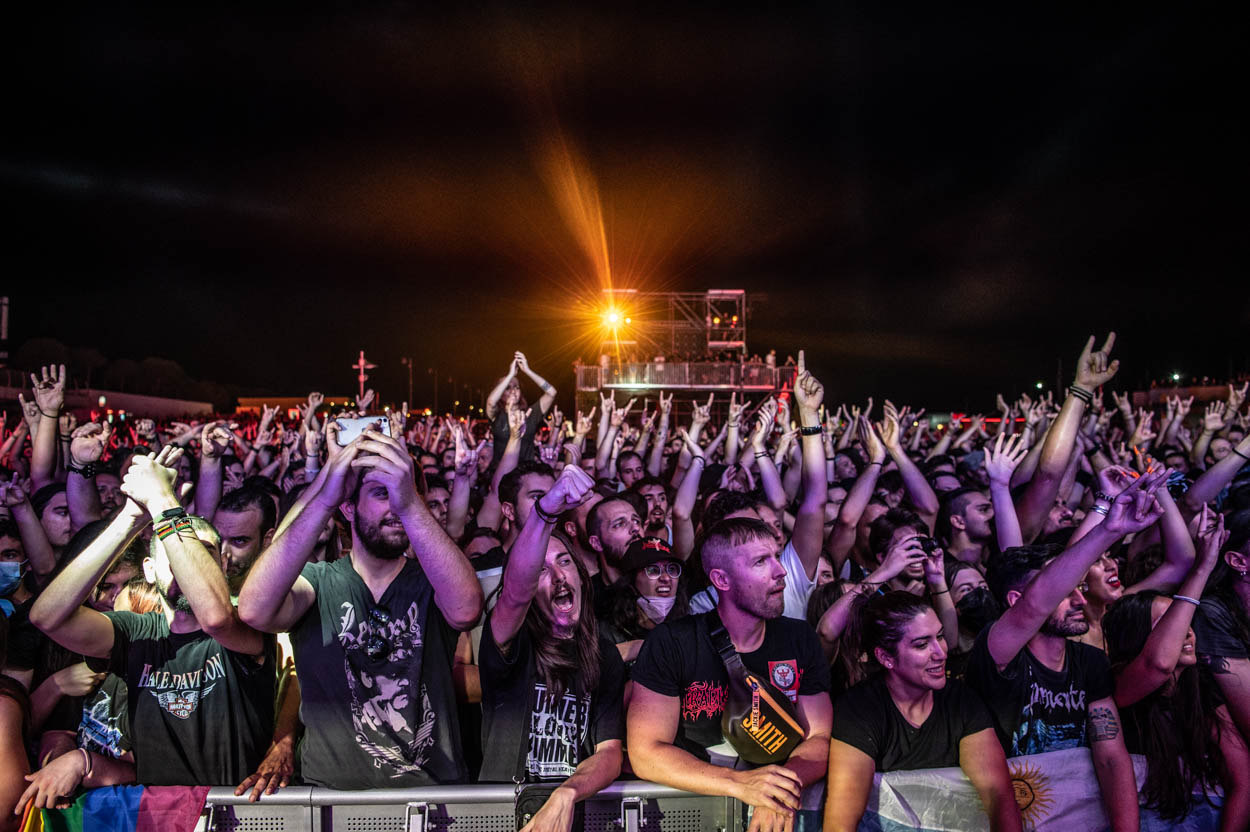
[
  {"x": 604, "y": 452},
  {"x": 918, "y": 489},
  {"x": 150, "y": 483},
  {"x": 49, "y": 395},
  {"x": 999, "y": 465},
  {"x": 699, "y": 417},
  {"x": 528, "y": 554},
  {"x": 275, "y": 596},
  {"x": 457, "y": 592},
  {"x": 490, "y": 515},
  {"x": 462, "y": 485},
  {"x": 1158, "y": 659},
  {"x": 655, "y": 463},
  {"x": 1212, "y": 423},
  {"x": 1094, "y": 368},
  {"x": 770, "y": 478},
  {"x": 493, "y": 397},
  {"x": 34, "y": 539},
  {"x": 549, "y": 391},
  {"x": 1178, "y": 548},
  {"x": 1214, "y": 479},
  {"x": 684, "y": 499},
  {"x": 809, "y": 521},
  {"x": 215, "y": 440},
  {"x": 1133, "y": 510},
  {"x": 842, "y": 538},
  {"x": 59, "y": 610},
  {"x": 86, "y": 447}
]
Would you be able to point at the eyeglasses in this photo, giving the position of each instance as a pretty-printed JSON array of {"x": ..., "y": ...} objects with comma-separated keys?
[
  {"x": 376, "y": 645},
  {"x": 655, "y": 570}
]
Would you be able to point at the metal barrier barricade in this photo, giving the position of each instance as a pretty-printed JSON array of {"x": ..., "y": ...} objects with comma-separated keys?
[{"x": 625, "y": 806}]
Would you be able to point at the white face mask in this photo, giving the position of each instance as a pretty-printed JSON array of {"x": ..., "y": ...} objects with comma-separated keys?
[{"x": 657, "y": 607}]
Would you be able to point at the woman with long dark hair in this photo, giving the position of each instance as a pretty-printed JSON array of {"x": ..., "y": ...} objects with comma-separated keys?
[
  {"x": 653, "y": 592},
  {"x": 1171, "y": 709},
  {"x": 909, "y": 716},
  {"x": 551, "y": 686}
]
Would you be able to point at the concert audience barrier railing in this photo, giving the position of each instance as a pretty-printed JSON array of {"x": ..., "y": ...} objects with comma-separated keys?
[{"x": 625, "y": 806}]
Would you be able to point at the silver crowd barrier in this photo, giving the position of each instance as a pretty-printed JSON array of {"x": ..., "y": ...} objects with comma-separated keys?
[{"x": 624, "y": 806}]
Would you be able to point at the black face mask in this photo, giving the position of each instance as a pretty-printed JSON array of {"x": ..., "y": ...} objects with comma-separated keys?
[{"x": 977, "y": 610}]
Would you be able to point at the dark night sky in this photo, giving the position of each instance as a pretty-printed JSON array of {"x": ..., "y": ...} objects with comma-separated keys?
[{"x": 937, "y": 203}]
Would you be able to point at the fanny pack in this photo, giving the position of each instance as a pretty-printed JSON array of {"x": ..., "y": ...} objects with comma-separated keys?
[{"x": 759, "y": 721}]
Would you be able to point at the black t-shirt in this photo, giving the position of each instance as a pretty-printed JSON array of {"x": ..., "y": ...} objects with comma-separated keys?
[
  {"x": 678, "y": 659},
  {"x": 866, "y": 718},
  {"x": 105, "y": 725},
  {"x": 25, "y": 639},
  {"x": 500, "y": 432},
  {"x": 201, "y": 715},
  {"x": 1037, "y": 709},
  {"x": 526, "y": 731},
  {"x": 1217, "y": 631},
  {"x": 381, "y": 721}
]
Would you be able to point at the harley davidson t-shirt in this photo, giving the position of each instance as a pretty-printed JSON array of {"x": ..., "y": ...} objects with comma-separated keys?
[
  {"x": 678, "y": 659},
  {"x": 200, "y": 715}
]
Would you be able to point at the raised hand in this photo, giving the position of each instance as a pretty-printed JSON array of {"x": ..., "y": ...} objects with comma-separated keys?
[
  {"x": 1095, "y": 368},
  {"x": 808, "y": 392},
  {"x": 666, "y": 405},
  {"x": 1237, "y": 397},
  {"x": 1114, "y": 479},
  {"x": 88, "y": 442},
  {"x": 702, "y": 414},
  {"x": 585, "y": 421},
  {"x": 522, "y": 363},
  {"x": 264, "y": 438},
  {"x": 1211, "y": 537},
  {"x": 689, "y": 442},
  {"x": 618, "y": 415},
  {"x": 215, "y": 439},
  {"x": 313, "y": 440},
  {"x": 1213, "y": 419},
  {"x": 1183, "y": 406},
  {"x": 608, "y": 401},
  {"x": 1135, "y": 508},
  {"x": 889, "y": 429},
  {"x": 735, "y": 410},
  {"x": 1122, "y": 402},
  {"x": 267, "y": 415},
  {"x": 765, "y": 418},
  {"x": 390, "y": 461},
  {"x": 49, "y": 388},
  {"x": 150, "y": 479},
  {"x": 872, "y": 443},
  {"x": 366, "y": 400},
  {"x": 12, "y": 493},
  {"x": 572, "y": 488},
  {"x": 146, "y": 429},
  {"x": 1001, "y": 460},
  {"x": 516, "y": 420}
]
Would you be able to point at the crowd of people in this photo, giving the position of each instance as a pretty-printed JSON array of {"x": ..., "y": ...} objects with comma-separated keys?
[{"x": 773, "y": 608}]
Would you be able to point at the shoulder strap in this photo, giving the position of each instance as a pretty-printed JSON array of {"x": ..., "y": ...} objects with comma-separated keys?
[{"x": 724, "y": 645}]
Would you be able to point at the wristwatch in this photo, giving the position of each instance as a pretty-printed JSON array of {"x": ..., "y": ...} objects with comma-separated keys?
[{"x": 173, "y": 513}]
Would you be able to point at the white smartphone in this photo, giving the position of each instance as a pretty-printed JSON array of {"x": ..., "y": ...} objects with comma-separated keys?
[{"x": 349, "y": 429}]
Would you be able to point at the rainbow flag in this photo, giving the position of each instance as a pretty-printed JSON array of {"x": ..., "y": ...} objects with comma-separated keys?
[{"x": 123, "y": 809}]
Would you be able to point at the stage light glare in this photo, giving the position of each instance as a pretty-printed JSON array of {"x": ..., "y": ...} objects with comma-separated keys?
[
  {"x": 1175, "y": 377},
  {"x": 716, "y": 321},
  {"x": 612, "y": 317},
  {"x": 629, "y": 320}
]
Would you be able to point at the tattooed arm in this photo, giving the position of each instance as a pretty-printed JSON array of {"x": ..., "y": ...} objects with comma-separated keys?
[{"x": 1112, "y": 765}]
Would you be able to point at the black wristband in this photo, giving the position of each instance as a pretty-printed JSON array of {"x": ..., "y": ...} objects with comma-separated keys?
[
  {"x": 809, "y": 430},
  {"x": 1240, "y": 454},
  {"x": 1106, "y": 498},
  {"x": 550, "y": 519},
  {"x": 86, "y": 472},
  {"x": 1081, "y": 393}
]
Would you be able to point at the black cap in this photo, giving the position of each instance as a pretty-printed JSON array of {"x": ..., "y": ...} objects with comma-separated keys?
[{"x": 644, "y": 552}]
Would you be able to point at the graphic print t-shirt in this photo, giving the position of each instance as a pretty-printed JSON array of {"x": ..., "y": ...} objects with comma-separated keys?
[
  {"x": 375, "y": 680},
  {"x": 1037, "y": 709},
  {"x": 105, "y": 725},
  {"x": 866, "y": 718},
  {"x": 200, "y": 715},
  {"x": 678, "y": 659},
  {"x": 526, "y": 727}
]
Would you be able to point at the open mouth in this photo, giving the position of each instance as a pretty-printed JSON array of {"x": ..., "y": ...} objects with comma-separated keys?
[
  {"x": 1113, "y": 581},
  {"x": 664, "y": 589},
  {"x": 562, "y": 600},
  {"x": 936, "y": 670}
]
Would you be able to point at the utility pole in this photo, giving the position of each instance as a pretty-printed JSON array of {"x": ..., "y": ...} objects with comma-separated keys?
[{"x": 407, "y": 362}]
